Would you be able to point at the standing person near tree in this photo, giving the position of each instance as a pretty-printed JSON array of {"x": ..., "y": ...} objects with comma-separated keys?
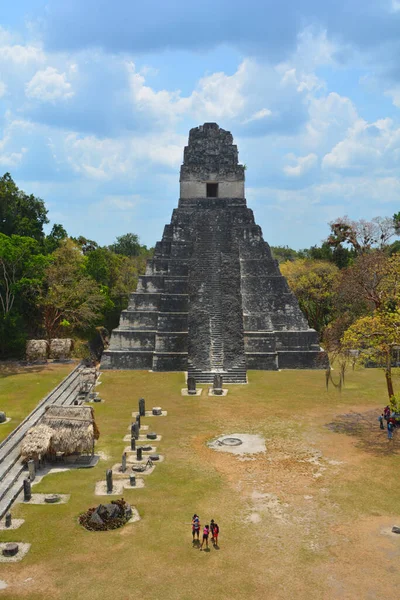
[
  {"x": 390, "y": 428},
  {"x": 195, "y": 526},
  {"x": 206, "y": 533},
  {"x": 380, "y": 419}
]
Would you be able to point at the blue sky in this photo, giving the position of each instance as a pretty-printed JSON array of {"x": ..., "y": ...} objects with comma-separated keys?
[{"x": 97, "y": 98}]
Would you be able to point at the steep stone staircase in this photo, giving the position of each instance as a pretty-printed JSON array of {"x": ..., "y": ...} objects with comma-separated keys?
[{"x": 206, "y": 276}]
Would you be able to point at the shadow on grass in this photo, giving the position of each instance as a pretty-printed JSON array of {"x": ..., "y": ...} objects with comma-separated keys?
[
  {"x": 365, "y": 427},
  {"x": 15, "y": 367}
]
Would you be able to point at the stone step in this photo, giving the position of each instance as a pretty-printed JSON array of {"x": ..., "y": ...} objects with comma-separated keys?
[{"x": 11, "y": 494}]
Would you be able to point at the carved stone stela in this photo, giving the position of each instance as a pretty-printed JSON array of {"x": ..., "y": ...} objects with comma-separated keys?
[{"x": 213, "y": 299}]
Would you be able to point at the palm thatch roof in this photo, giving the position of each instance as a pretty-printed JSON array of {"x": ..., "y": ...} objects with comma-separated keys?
[{"x": 66, "y": 429}]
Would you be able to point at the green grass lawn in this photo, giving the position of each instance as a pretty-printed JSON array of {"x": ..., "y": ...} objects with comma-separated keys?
[
  {"x": 22, "y": 388},
  {"x": 303, "y": 521}
]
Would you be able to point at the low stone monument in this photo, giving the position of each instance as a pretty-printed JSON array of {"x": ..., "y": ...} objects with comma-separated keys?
[
  {"x": 139, "y": 453},
  {"x": 8, "y": 520},
  {"x": 31, "y": 469},
  {"x": 61, "y": 349},
  {"x": 123, "y": 463},
  {"x": 217, "y": 385},
  {"x": 10, "y": 549},
  {"x": 133, "y": 443},
  {"x": 142, "y": 407},
  {"x": 52, "y": 498},
  {"x": 151, "y": 436},
  {"x": 132, "y": 480},
  {"x": 157, "y": 411},
  {"x": 27, "y": 490},
  {"x": 191, "y": 386},
  {"x": 3, "y": 417},
  {"x": 109, "y": 480},
  {"x": 36, "y": 351}
]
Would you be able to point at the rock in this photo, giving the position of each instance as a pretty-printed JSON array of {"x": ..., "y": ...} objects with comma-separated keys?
[
  {"x": 396, "y": 529},
  {"x": 146, "y": 448},
  {"x": 10, "y": 549},
  {"x": 52, "y": 499},
  {"x": 37, "y": 350},
  {"x": 95, "y": 519},
  {"x": 101, "y": 511},
  {"x": 151, "y": 436},
  {"x": 60, "y": 349},
  {"x": 113, "y": 511},
  {"x": 3, "y": 417},
  {"x": 97, "y": 399},
  {"x": 154, "y": 457},
  {"x": 157, "y": 411}
]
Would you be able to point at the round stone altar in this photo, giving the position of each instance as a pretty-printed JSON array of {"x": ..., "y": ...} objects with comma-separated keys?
[{"x": 238, "y": 443}]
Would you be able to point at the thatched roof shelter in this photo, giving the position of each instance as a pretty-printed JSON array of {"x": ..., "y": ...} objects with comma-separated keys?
[{"x": 62, "y": 429}]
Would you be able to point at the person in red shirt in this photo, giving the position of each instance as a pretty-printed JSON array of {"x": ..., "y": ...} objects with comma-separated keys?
[{"x": 215, "y": 532}]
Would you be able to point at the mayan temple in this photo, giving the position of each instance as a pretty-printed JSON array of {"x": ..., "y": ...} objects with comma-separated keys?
[{"x": 213, "y": 299}]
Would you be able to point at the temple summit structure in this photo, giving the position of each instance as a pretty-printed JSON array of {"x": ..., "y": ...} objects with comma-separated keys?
[{"x": 213, "y": 299}]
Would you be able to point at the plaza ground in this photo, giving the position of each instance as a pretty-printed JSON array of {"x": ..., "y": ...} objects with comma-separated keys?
[{"x": 309, "y": 519}]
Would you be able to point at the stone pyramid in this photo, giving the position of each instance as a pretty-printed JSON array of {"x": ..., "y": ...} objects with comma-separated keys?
[{"x": 213, "y": 299}]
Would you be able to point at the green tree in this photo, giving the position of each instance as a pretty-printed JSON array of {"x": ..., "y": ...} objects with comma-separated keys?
[
  {"x": 71, "y": 298},
  {"x": 128, "y": 245},
  {"x": 312, "y": 282},
  {"x": 56, "y": 235},
  {"x": 284, "y": 253},
  {"x": 20, "y": 214},
  {"x": 22, "y": 269},
  {"x": 376, "y": 337}
]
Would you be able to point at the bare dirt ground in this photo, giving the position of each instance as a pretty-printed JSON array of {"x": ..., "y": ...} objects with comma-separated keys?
[
  {"x": 290, "y": 494},
  {"x": 309, "y": 519}
]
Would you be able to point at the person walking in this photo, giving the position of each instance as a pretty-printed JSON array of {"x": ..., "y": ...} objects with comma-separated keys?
[
  {"x": 380, "y": 419},
  {"x": 390, "y": 430},
  {"x": 206, "y": 532},
  {"x": 196, "y": 526}
]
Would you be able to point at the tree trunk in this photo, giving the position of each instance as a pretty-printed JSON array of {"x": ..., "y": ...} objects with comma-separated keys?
[{"x": 388, "y": 375}]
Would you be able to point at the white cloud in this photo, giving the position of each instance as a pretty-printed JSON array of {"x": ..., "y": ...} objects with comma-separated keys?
[
  {"x": 257, "y": 116},
  {"x": 49, "y": 85},
  {"x": 367, "y": 146},
  {"x": 304, "y": 164},
  {"x": 21, "y": 55}
]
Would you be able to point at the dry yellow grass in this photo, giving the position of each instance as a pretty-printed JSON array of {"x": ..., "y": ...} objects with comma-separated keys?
[{"x": 307, "y": 520}]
